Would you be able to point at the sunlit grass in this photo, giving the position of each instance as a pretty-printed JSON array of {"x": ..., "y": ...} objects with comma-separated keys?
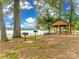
[
  {"x": 19, "y": 45},
  {"x": 45, "y": 48},
  {"x": 27, "y": 36},
  {"x": 8, "y": 54}
]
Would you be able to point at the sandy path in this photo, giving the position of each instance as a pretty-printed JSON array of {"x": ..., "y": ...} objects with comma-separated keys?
[{"x": 56, "y": 47}]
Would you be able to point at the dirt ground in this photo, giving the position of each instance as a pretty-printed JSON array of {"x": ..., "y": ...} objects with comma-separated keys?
[{"x": 46, "y": 47}]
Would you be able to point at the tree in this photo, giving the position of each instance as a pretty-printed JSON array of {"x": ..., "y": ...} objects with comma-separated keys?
[
  {"x": 76, "y": 23},
  {"x": 71, "y": 13},
  {"x": 44, "y": 23},
  {"x": 44, "y": 14},
  {"x": 17, "y": 29},
  {"x": 44, "y": 7},
  {"x": 57, "y": 4},
  {"x": 2, "y": 23},
  {"x": 59, "y": 7}
]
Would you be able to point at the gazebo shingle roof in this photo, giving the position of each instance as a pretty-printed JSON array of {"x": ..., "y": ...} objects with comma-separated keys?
[{"x": 59, "y": 22}]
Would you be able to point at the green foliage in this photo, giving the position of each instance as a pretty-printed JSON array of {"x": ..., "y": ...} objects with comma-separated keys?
[
  {"x": 44, "y": 17},
  {"x": 72, "y": 8},
  {"x": 8, "y": 54},
  {"x": 12, "y": 55},
  {"x": 4, "y": 1},
  {"x": 51, "y": 2},
  {"x": 76, "y": 23},
  {"x": 43, "y": 22},
  {"x": 56, "y": 4},
  {"x": 1, "y": 1}
]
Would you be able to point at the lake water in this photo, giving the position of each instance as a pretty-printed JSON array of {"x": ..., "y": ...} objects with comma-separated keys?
[
  {"x": 27, "y": 31},
  {"x": 30, "y": 32},
  {"x": 10, "y": 32}
]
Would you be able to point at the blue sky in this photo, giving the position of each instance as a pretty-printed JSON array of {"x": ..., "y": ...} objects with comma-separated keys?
[{"x": 27, "y": 14}]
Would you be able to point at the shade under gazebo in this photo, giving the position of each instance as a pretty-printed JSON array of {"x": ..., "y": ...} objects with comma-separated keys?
[{"x": 59, "y": 23}]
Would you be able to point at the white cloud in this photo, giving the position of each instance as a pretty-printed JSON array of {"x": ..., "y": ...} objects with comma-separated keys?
[
  {"x": 10, "y": 16},
  {"x": 67, "y": 8},
  {"x": 76, "y": 1},
  {"x": 26, "y": 25},
  {"x": 35, "y": 2},
  {"x": 10, "y": 5},
  {"x": 8, "y": 25},
  {"x": 5, "y": 10},
  {"x": 23, "y": 25},
  {"x": 77, "y": 12},
  {"x": 30, "y": 20},
  {"x": 25, "y": 5}
]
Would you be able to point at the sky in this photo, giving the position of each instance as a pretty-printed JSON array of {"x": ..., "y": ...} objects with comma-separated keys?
[{"x": 28, "y": 13}]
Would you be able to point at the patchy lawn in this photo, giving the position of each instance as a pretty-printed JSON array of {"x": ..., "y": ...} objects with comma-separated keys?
[{"x": 47, "y": 47}]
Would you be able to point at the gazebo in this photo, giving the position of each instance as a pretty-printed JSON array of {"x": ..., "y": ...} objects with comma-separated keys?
[{"x": 60, "y": 23}]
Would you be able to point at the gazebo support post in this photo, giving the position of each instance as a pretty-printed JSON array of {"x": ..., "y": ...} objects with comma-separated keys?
[
  {"x": 59, "y": 23},
  {"x": 59, "y": 29},
  {"x": 70, "y": 29},
  {"x": 55, "y": 30}
]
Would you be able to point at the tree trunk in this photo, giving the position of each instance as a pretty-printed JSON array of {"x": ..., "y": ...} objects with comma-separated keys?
[
  {"x": 2, "y": 25},
  {"x": 17, "y": 29},
  {"x": 71, "y": 16},
  {"x": 49, "y": 29},
  {"x": 70, "y": 26}
]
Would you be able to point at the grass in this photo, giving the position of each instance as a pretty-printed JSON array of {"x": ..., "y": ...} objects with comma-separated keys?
[
  {"x": 8, "y": 54},
  {"x": 27, "y": 36},
  {"x": 14, "y": 47},
  {"x": 33, "y": 35}
]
